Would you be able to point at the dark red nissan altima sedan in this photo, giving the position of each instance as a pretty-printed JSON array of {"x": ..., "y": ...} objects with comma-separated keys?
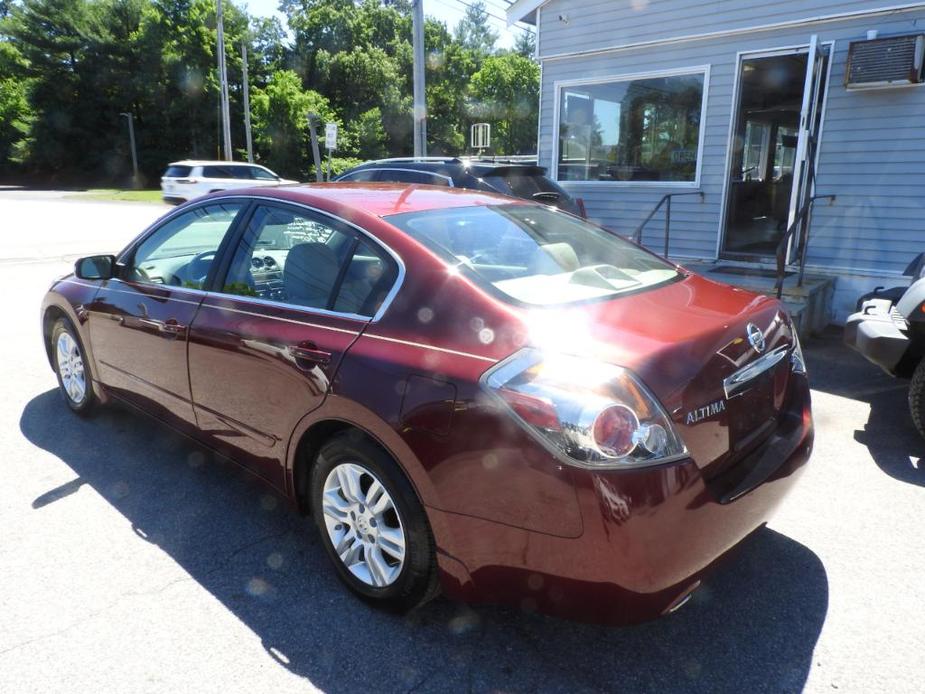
[{"x": 466, "y": 391}]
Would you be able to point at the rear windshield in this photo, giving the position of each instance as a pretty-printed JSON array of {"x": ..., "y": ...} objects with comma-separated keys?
[
  {"x": 535, "y": 255},
  {"x": 528, "y": 186},
  {"x": 177, "y": 171}
]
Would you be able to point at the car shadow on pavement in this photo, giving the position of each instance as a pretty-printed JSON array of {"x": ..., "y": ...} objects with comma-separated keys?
[
  {"x": 889, "y": 434},
  {"x": 751, "y": 627}
]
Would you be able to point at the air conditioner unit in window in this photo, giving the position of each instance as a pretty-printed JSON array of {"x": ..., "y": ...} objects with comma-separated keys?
[{"x": 893, "y": 61}]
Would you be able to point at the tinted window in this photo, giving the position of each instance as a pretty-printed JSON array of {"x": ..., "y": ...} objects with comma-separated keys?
[
  {"x": 260, "y": 174},
  {"x": 177, "y": 171},
  {"x": 532, "y": 187},
  {"x": 401, "y": 176},
  {"x": 181, "y": 252},
  {"x": 368, "y": 279},
  {"x": 225, "y": 172},
  {"x": 365, "y": 175},
  {"x": 533, "y": 254}
]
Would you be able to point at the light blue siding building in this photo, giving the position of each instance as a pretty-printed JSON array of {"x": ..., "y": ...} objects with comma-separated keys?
[{"x": 760, "y": 106}]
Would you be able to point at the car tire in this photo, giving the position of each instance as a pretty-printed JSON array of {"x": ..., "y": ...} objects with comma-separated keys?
[
  {"x": 917, "y": 398},
  {"x": 362, "y": 525},
  {"x": 75, "y": 381}
]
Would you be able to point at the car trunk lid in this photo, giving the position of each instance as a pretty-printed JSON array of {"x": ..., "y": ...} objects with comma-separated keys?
[{"x": 689, "y": 342}]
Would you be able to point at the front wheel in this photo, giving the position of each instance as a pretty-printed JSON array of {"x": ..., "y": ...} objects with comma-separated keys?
[
  {"x": 74, "y": 380},
  {"x": 917, "y": 397},
  {"x": 371, "y": 523}
]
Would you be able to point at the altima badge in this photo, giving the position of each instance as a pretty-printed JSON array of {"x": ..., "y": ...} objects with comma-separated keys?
[
  {"x": 714, "y": 408},
  {"x": 755, "y": 337}
]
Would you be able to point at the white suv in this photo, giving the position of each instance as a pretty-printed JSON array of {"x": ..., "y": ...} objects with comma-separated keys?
[{"x": 185, "y": 180}]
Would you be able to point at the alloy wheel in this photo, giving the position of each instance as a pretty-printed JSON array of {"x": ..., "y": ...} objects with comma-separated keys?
[
  {"x": 363, "y": 525},
  {"x": 71, "y": 368}
]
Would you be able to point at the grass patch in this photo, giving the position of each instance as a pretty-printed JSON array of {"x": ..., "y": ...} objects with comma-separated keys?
[{"x": 116, "y": 194}]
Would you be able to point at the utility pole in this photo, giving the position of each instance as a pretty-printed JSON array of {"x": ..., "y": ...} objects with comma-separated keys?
[
  {"x": 131, "y": 139},
  {"x": 223, "y": 80},
  {"x": 247, "y": 106},
  {"x": 420, "y": 103}
]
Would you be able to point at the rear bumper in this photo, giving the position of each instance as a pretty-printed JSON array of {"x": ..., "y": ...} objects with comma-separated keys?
[
  {"x": 875, "y": 334},
  {"x": 648, "y": 536}
]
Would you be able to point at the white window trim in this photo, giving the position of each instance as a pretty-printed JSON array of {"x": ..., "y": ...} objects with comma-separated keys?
[{"x": 677, "y": 72}]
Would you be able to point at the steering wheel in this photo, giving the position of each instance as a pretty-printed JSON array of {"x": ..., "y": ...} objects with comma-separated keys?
[{"x": 198, "y": 267}]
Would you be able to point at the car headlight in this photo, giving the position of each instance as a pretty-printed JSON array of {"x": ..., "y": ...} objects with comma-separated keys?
[{"x": 589, "y": 413}]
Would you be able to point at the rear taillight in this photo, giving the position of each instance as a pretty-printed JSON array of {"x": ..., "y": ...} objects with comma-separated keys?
[
  {"x": 587, "y": 412},
  {"x": 582, "y": 212}
]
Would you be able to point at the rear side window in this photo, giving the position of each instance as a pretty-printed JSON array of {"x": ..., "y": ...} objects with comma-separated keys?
[
  {"x": 367, "y": 280},
  {"x": 260, "y": 174},
  {"x": 365, "y": 175},
  {"x": 532, "y": 187},
  {"x": 215, "y": 172},
  {"x": 403, "y": 176},
  {"x": 311, "y": 261},
  {"x": 178, "y": 171}
]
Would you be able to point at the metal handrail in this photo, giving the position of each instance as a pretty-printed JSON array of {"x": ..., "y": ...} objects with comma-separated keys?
[
  {"x": 637, "y": 234},
  {"x": 802, "y": 218}
]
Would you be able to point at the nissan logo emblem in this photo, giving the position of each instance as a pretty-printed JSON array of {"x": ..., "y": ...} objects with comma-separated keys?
[{"x": 755, "y": 337}]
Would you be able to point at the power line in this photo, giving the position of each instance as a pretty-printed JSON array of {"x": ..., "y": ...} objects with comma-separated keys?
[{"x": 490, "y": 14}]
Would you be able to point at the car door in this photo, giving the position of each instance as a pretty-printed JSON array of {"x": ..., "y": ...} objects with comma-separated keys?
[
  {"x": 265, "y": 348},
  {"x": 139, "y": 320}
]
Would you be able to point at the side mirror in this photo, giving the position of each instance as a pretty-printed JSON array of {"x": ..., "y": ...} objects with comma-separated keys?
[{"x": 96, "y": 267}]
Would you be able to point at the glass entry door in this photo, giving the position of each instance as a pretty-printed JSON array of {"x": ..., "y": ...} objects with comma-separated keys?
[{"x": 777, "y": 116}]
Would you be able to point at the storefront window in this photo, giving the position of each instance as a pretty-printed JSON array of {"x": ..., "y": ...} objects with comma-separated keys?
[{"x": 631, "y": 130}]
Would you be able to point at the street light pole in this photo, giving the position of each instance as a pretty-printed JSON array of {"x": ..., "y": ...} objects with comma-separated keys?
[
  {"x": 131, "y": 139},
  {"x": 223, "y": 79},
  {"x": 420, "y": 103},
  {"x": 247, "y": 105}
]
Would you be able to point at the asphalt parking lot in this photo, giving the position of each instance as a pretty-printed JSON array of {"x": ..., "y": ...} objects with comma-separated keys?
[{"x": 132, "y": 561}]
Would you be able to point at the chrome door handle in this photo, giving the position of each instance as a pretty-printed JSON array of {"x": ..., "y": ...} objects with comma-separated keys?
[
  {"x": 310, "y": 354},
  {"x": 118, "y": 319}
]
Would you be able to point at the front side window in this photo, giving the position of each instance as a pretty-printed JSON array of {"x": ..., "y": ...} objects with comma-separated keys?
[
  {"x": 217, "y": 172},
  {"x": 535, "y": 255},
  {"x": 631, "y": 130},
  {"x": 180, "y": 253},
  {"x": 311, "y": 261}
]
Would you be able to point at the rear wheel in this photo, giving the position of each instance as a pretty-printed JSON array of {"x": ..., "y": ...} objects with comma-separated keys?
[
  {"x": 74, "y": 380},
  {"x": 371, "y": 523},
  {"x": 917, "y": 397}
]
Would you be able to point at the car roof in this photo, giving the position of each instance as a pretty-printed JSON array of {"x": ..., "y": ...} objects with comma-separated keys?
[
  {"x": 452, "y": 165},
  {"x": 206, "y": 162},
  {"x": 380, "y": 199}
]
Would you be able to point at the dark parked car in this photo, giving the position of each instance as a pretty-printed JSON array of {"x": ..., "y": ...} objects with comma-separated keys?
[
  {"x": 516, "y": 178},
  {"x": 467, "y": 391}
]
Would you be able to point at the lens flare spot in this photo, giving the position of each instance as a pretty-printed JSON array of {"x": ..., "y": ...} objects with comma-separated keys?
[
  {"x": 268, "y": 502},
  {"x": 275, "y": 560},
  {"x": 486, "y": 336},
  {"x": 257, "y": 587},
  {"x": 425, "y": 314}
]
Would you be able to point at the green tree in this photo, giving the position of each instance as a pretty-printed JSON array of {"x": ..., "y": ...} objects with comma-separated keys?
[
  {"x": 474, "y": 31},
  {"x": 525, "y": 43},
  {"x": 281, "y": 134},
  {"x": 505, "y": 92}
]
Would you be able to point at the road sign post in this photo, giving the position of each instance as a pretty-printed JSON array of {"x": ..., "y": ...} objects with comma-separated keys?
[{"x": 330, "y": 142}]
